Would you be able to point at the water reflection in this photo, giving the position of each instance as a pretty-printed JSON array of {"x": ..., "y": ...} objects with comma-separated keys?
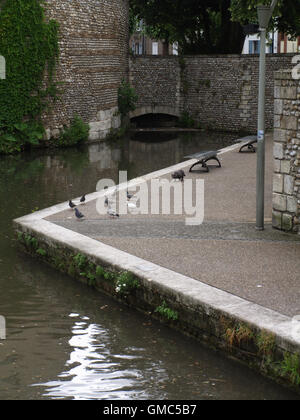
[
  {"x": 92, "y": 372},
  {"x": 63, "y": 340}
]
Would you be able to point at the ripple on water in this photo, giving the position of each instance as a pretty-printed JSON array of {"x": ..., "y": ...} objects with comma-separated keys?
[{"x": 92, "y": 372}]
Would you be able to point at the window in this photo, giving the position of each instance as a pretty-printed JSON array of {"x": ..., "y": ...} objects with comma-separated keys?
[
  {"x": 254, "y": 47},
  {"x": 175, "y": 48},
  {"x": 154, "y": 48}
]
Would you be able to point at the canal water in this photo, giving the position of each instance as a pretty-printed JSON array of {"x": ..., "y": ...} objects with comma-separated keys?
[{"x": 63, "y": 341}]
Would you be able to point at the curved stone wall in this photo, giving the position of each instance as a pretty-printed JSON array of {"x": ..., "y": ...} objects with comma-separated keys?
[{"x": 93, "y": 61}]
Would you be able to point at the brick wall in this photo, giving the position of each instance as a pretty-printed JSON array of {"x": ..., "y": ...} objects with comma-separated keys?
[
  {"x": 93, "y": 60},
  {"x": 286, "y": 181},
  {"x": 220, "y": 92}
]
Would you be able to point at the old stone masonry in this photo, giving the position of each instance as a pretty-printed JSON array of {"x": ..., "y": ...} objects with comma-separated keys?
[
  {"x": 93, "y": 61},
  {"x": 286, "y": 186},
  {"x": 219, "y": 91}
]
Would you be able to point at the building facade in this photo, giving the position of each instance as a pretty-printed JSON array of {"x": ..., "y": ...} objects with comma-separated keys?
[
  {"x": 287, "y": 45},
  {"x": 140, "y": 44},
  {"x": 252, "y": 44},
  {"x": 277, "y": 43}
]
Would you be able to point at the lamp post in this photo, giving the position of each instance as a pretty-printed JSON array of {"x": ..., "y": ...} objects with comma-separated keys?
[{"x": 264, "y": 16}]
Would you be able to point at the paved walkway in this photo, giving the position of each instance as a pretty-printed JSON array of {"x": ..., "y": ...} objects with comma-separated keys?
[{"x": 225, "y": 251}]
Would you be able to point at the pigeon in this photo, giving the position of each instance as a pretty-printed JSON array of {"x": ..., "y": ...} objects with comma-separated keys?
[
  {"x": 78, "y": 214},
  {"x": 71, "y": 204},
  {"x": 129, "y": 196},
  {"x": 179, "y": 175},
  {"x": 112, "y": 213},
  {"x": 106, "y": 202},
  {"x": 82, "y": 200}
]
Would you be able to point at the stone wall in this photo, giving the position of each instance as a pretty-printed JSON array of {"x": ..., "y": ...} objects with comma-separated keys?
[
  {"x": 219, "y": 92},
  {"x": 286, "y": 185},
  {"x": 156, "y": 80},
  {"x": 93, "y": 60}
]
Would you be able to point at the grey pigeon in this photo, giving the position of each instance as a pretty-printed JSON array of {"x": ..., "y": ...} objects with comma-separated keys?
[
  {"x": 112, "y": 213},
  {"x": 129, "y": 196},
  {"x": 178, "y": 175},
  {"x": 71, "y": 204},
  {"x": 78, "y": 214},
  {"x": 82, "y": 200}
]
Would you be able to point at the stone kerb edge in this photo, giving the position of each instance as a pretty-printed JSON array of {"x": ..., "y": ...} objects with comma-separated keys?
[
  {"x": 191, "y": 291},
  {"x": 209, "y": 301}
]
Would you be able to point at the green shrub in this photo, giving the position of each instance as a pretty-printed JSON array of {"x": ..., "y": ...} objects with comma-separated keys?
[
  {"x": 76, "y": 133},
  {"x": 41, "y": 252},
  {"x": 186, "y": 121},
  {"x": 20, "y": 136},
  {"x": 29, "y": 44},
  {"x": 80, "y": 261},
  {"x": 167, "y": 312},
  {"x": 127, "y": 99},
  {"x": 291, "y": 367},
  {"x": 126, "y": 282}
]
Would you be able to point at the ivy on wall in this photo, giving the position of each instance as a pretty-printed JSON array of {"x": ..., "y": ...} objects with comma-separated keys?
[{"x": 29, "y": 45}]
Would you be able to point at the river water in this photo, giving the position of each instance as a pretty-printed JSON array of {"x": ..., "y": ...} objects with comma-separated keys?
[{"x": 64, "y": 341}]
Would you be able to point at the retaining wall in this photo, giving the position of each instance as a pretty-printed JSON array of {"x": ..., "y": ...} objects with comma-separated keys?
[{"x": 220, "y": 92}]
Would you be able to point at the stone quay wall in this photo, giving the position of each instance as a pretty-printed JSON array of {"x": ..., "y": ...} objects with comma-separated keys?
[
  {"x": 219, "y": 91},
  {"x": 286, "y": 181},
  {"x": 93, "y": 44}
]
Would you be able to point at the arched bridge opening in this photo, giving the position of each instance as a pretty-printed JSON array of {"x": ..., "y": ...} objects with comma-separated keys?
[{"x": 154, "y": 117}]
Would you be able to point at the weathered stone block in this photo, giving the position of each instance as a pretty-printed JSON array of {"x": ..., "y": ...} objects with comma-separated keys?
[
  {"x": 55, "y": 133},
  {"x": 292, "y": 204},
  {"x": 277, "y": 121},
  {"x": 289, "y": 122},
  {"x": 288, "y": 92},
  {"x": 278, "y": 183},
  {"x": 288, "y": 184},
  {"x": 279, "y": 202},
  {"x": 278, "y": 150},
  {"x": 277, "y": 166},
  {"x": 48, "y": 134},
  {"x": 93, "y": 135},
  {"x": 277, "y": 219},
  {"x": 279, "y": 135},
  {"x": 277, "y": 92},
  {"x": 278, "y": 106},
  {"x": 287, "y": 222},
  {"x": 285, "y": 166},
  {"x": 94, "y": 126},
  {"x": 116, "y": 122}
]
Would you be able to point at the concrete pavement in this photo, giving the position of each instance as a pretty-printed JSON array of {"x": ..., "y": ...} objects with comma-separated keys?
[
  {"x": 222, "y": 282},
  {"x": 226, "y": 251}
]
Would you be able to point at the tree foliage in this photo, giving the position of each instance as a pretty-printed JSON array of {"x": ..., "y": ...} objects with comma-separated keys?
[
  {"x": 210, "y": 26},
  {"x": 286, "y": 16}
]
